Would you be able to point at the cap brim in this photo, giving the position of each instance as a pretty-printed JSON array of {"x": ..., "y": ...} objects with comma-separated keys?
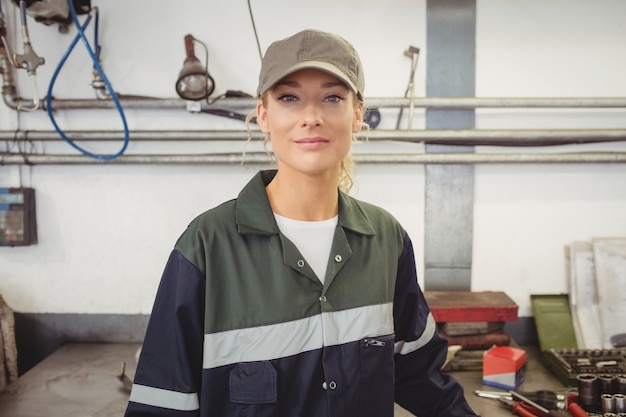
[{"x": 324, "y": 66}]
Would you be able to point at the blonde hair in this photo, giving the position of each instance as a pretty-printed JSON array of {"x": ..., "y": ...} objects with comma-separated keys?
[{"x": 347, "y": 167}]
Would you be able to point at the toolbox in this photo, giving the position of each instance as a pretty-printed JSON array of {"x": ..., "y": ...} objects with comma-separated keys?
[
  {"x": 471, "y": 306},
  {"x": 557, "y": 339},
  {"x": 473, "y": 320}
]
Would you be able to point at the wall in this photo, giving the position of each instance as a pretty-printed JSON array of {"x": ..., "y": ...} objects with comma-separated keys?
[
  {"x": 525, "y": 214},
  {"x": 105, "y": 230}
]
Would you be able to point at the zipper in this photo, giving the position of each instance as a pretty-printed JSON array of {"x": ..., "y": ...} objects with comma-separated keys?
[{"x": 373, "y": 342}]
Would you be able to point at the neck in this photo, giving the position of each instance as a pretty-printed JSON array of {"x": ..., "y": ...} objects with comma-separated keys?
[{"x": 303, "y": 197}]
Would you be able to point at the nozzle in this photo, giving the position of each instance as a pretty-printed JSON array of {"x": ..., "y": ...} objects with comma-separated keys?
[{"x": 29, "y": 60}]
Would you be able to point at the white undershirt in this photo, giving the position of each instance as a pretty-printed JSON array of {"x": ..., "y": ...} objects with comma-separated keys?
[{"x": 313, "y": 240}]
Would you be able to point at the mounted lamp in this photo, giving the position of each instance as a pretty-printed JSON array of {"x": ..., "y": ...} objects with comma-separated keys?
[{"x": 194, "y": 81}]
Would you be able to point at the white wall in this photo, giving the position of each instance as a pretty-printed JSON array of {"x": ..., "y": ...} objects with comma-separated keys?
[
  {"x": 105, "y": 231},
  {"x": 525, "y": 214}
]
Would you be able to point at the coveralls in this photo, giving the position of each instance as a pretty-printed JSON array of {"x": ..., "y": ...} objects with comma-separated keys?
[{"x": 241, "y": 326}]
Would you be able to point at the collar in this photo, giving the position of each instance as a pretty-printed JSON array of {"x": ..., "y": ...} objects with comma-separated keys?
[{"x": 253, "y": 213}]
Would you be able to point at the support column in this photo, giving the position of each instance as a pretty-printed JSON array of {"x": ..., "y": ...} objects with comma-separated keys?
[{"x": 449, "y": 200}]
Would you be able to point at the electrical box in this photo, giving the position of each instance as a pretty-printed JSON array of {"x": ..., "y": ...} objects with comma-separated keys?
[{"x": 18, "y": 224}]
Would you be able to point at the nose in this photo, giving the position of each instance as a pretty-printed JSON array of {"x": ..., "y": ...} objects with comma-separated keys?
[{"x": 312, "y": 116}]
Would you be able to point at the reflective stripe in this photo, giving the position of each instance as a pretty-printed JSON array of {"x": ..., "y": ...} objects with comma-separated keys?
[
  {"x": 287, "y": 339},
  {"x": 163, "y": 398},
  {"x": 403, "y": 347},
  {"x": 354, "y": 324}
]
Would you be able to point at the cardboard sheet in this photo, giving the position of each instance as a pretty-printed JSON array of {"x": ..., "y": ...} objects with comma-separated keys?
[
  {"x": 610, "y": 262},
  {"x": 584, "y": 296}
]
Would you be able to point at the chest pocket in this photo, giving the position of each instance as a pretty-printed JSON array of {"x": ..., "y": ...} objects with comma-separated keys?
[
  {"x": 253, "y": 389},
  {"x": 376, "y": 356},
  {"x": 377, "y": 376}
]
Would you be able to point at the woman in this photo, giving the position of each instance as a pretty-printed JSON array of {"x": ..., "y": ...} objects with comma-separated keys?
[{"x": 295, "y": 299}]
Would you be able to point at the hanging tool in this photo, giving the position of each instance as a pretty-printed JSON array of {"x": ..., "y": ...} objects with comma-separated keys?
[
  {"x": 412, "y": 53},
  {"x": 29, "y": 60}
]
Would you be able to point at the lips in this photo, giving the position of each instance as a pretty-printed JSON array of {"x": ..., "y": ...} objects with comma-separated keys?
[
  {"x": 312, "y": 143},
  {"x": 311, "y": 140}
]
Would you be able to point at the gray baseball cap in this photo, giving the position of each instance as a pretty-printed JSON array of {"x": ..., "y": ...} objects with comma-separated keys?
[{"x": 312, "y": 49}]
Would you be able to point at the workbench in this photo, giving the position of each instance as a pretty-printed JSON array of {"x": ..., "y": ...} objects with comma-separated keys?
[{"x": 81, "y": 380}]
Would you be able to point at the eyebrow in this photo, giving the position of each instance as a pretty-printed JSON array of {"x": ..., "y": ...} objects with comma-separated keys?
[{"x": 330, "y": 84}]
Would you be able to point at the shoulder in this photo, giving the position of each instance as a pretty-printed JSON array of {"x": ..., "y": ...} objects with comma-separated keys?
[
  {"x": 204, "y": 229},
  {"x": 218, "y": 215},
  {"x": 373, "y": 210},
  {"x": 367, "y": 218}
]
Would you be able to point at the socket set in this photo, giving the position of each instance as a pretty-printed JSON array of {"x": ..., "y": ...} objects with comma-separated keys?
[
  {"x": 568, "y": 364},
  {"x": 603, "y": 393}
]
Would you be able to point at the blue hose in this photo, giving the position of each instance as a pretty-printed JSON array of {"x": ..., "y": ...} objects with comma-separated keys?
[{"x": 95, "y": 58}]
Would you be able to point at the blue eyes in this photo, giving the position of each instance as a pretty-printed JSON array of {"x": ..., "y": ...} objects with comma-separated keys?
[
  {"x": 333, "y": 98},
  {"x": 287, "y": 98}
]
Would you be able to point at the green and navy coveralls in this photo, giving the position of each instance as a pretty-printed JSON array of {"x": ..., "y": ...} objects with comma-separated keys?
[{"x": 241, "y": 326}]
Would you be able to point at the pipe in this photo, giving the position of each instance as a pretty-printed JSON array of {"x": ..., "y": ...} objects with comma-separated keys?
[
  {"x": 10, "y": 97},
  {"x": 468, "y": 137},
  {"x": 148, "y": 103},
  {"x": 380, "y": 158},
  {"x": 8, "y": 88}
]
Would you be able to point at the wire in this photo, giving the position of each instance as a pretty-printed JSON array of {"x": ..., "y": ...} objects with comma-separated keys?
[
  {"x": 256, "y": 35},
  {"x": 96, "y": 35},
  {"x": 81, "y": 35}
]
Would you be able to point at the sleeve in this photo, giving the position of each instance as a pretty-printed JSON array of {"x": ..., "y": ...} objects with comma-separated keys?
[
  {"x": 421, "y": 388},
  {"x": 169, "y": 371}
]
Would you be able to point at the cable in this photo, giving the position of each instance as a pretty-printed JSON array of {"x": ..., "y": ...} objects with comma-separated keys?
[
  {"x": 81, "y": 35},
  {"x": 256, "y": 35}
]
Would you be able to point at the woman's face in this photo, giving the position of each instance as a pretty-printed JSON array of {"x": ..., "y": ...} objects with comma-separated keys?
[{"x": 310, "y": 116}]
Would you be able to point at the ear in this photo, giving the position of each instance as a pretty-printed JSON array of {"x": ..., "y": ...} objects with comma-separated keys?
[
  {"x": 357, "y": 119},
  {"x": 261, "y": 117}
]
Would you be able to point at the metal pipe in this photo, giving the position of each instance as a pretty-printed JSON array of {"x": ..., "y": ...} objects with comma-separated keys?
[
  {"x": 8, "y": 88},
  {"x": 380, "y": 102},
  {"x": 378, "y": 158},
  {"x": 150, "y": 103},
  {"x": 443, "y": 136}
]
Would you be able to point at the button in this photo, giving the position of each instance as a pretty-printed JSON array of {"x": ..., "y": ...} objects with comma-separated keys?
[
  {"x": 300, "y": 263},
  {"x": 332, "y": 385},
  {"x": 323, "y": 298},
  {"x": 338, "y": 258},
  {"x": 324, "y": 385}
]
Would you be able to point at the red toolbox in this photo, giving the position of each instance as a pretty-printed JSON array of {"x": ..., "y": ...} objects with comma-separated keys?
[{"x": 471, "y": 306}]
